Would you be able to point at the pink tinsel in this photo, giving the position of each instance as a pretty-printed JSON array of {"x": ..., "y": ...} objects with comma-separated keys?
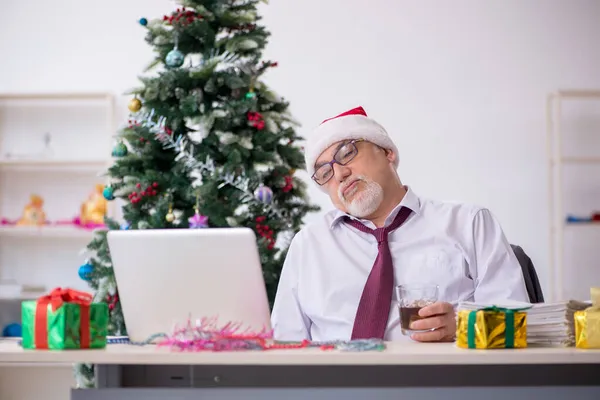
[
  {"x": 77, "y": 222},
  {"x": 207, "y": 336},
  {"x": 74, "y": 222}
]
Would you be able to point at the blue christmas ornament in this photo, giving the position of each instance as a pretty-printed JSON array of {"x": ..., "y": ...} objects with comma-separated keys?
[
  {"x": 120, "y": 150},
  {"x": 12, "y": 330},
  {"x": 143, "y": 21},
  {"x": 264, "y": 194},
  {"x": 125, "y": 226},
  {"x": 85, "y": 271},
  {"x": 174, "y": 58},
  {"x": 108, "y": 193}
]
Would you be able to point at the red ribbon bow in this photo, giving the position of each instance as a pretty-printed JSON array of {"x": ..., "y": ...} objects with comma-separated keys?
[{"x": 57, "y": 298}]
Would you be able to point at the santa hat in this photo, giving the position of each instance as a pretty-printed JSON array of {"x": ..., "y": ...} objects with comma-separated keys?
[{"x": 349, "y": 125}]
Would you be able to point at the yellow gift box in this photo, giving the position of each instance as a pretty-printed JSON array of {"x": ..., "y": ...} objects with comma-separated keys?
[
  {"x": 491, "y": 328},
  {"x": 587, "y": 324}
]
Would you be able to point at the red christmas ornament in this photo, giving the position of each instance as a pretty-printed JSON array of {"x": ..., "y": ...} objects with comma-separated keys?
[
  {"x": 289, "y": 184},
  {"x": 265, "y": 232},
  {"x": 135, "y": 197},
  {"x": 254, "y": 116},
  {"x": 182, "y": 16},
  {"x": 256, "y": 120},
  {"x": 112, "y": 301},
  {"x": 132, "y": 123}
]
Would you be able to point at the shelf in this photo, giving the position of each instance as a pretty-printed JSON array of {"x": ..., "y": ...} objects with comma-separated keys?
[
  {"x": 564, "y": 281},
  {"x": 55, "y": 96},
  {"x": 46, "y": 231},
  {"x": 22, "y": 297},
  {"x": 57, "y": 100},
  {"x": 582, "y": 224},
  {"x": 57, "y": 145},
  {"x": 577, "y": 160},
  {"x": 578, "y": 93},
  {"x": 53, "y": 165}
]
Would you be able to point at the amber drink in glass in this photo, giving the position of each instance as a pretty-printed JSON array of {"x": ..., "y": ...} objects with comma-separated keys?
[{"x": 411, "y": 298}]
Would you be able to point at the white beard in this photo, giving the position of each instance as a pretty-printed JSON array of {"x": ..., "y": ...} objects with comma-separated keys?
[{"x": 365, "y": 202}]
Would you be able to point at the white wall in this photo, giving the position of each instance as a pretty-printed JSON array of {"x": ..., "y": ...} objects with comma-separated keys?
[{"x": 460, "y": 85}]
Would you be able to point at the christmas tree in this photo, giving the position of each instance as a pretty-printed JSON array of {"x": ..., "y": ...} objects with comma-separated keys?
[{"x": 208, "y": 144}]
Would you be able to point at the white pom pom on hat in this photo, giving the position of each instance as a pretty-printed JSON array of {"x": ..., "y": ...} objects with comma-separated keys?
[{"x": 349, "y": 125}]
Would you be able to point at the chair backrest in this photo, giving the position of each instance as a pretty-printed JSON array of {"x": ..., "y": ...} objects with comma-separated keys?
[{"x": 534, "y": 289}]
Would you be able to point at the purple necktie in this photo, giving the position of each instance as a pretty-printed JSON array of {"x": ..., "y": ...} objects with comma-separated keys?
[{"x": 376, "y": 300}]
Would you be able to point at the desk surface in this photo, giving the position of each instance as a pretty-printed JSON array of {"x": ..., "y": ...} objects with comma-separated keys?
[{"x": 404, "y": 353}]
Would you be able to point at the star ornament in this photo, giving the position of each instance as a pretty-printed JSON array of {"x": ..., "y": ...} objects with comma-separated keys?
[{"x": 198, "y": 221}]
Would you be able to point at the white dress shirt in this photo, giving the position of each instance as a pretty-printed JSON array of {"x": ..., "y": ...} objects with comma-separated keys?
[{"x": 461, "y": 248}]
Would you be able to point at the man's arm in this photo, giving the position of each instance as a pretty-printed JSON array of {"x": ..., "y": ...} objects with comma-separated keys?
[
  {"x": 497, "y": 273},
  {"x": 287, "y": 318}
]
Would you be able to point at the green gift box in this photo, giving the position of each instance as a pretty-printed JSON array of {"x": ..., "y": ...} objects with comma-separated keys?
[{"x": 64, "y": 319}]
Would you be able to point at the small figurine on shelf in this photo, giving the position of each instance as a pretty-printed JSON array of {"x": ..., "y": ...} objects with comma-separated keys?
[
  {"x": 33, "y": 213},
  {"x": 94, "y": 208}
]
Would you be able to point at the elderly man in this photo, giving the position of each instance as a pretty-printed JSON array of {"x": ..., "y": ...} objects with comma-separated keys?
[{"x": 338, "y": 279}]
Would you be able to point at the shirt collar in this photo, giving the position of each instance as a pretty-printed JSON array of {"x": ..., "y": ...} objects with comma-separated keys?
[{"x": 410, "y": 200}]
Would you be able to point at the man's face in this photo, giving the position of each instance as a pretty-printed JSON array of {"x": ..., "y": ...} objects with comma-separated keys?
[{"x": 357, "y": 187}]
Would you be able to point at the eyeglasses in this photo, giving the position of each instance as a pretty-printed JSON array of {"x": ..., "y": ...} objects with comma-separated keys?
[{"x": 343, "y": 155}]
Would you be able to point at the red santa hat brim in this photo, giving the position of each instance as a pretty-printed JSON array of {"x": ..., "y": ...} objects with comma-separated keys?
[{"x": 349, "y": 125}]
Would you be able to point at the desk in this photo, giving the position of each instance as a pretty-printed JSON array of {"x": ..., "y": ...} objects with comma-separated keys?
[{"x": 127, "y": 372}]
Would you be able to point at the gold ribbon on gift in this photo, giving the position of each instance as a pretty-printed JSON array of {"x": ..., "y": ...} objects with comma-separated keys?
[{"x": 587, "y": 323}]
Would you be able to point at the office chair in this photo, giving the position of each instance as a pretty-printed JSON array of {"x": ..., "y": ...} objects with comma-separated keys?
[{"x": 534, "y": 289}]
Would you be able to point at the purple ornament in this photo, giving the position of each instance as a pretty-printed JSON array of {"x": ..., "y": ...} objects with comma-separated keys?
[
  {"x": 198, "y": 221},
  {"x": 264, "y": 194}
]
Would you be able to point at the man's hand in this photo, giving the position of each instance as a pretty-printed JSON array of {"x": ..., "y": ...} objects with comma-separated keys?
[{"x": 438, "y": 316}]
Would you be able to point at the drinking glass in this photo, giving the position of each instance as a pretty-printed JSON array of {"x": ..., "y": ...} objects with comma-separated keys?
[{"x": 411, "y": 298}]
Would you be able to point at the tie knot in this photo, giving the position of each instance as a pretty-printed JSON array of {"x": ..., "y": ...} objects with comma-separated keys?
[{"x": 380, "y": 234}]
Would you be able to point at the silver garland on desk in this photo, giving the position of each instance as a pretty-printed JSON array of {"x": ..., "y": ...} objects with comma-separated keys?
[{"x": 342, "y": 345}]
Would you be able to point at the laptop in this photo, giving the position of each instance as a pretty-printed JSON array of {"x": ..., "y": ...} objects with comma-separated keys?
[{"x": 166, "y": 277}]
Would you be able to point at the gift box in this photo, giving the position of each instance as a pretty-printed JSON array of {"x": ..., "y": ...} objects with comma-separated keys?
[
  {"x": 587, "y": 324},
  {"x": 491, "y": 328},
  {"x": 64, "y": 319}
]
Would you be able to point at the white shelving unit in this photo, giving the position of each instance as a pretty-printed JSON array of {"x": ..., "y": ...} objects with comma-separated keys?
[
  {"x": 573, "y": 138},
  {"x": 56, "y": 165},
  {"x": 58, "y": 146},
  {"x": 65, "y": 232}
]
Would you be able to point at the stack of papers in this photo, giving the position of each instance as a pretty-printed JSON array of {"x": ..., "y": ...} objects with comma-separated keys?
[{"x": 549, "y": 324}]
